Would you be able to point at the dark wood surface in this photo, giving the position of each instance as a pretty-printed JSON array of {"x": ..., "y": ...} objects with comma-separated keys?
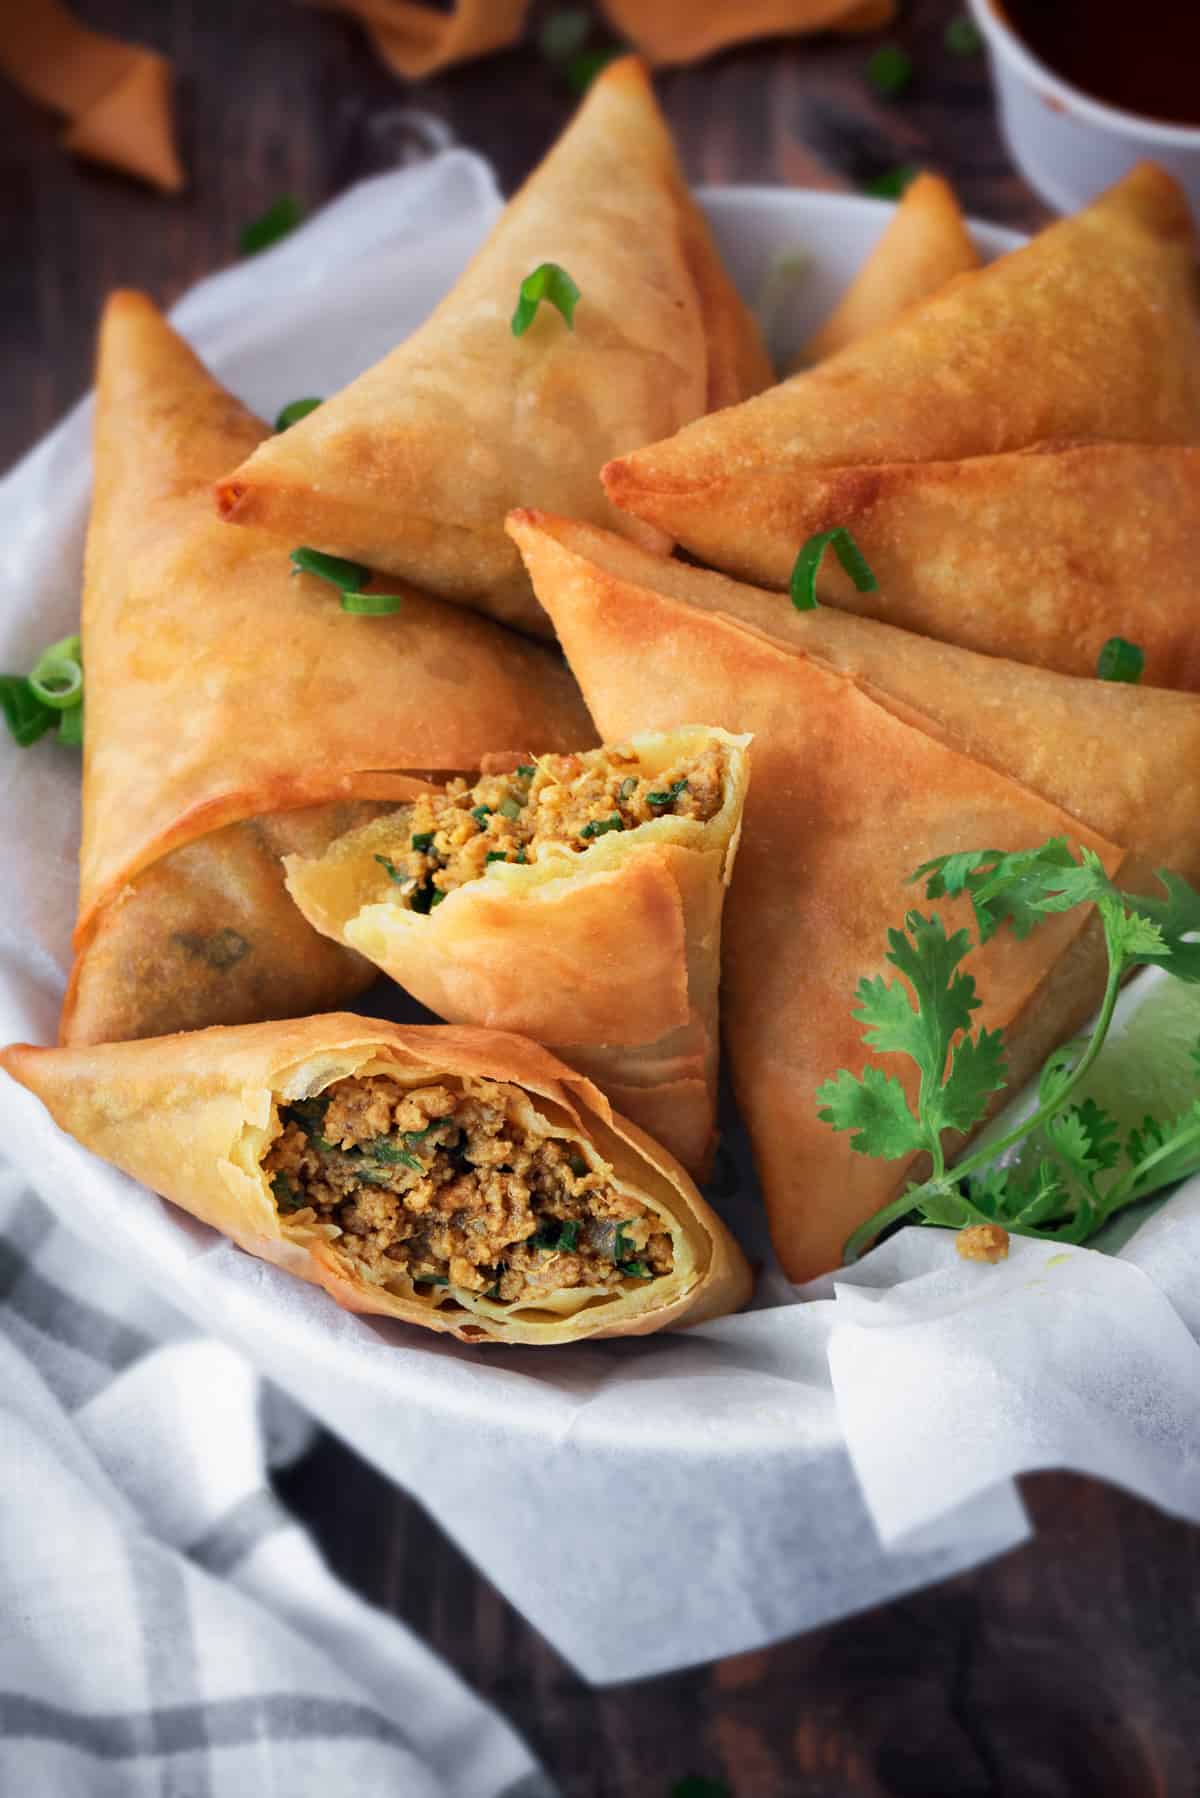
[{"x": 1070, "y": 1667}]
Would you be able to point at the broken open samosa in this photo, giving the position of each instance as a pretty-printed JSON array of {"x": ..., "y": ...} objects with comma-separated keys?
[
  {"x": 235, "y": 712},
  {"x": 1090, "y": 333},
  {"x": 574, "y": 898},
  {"x": 413, "y": 466},
  {"x": 923, "y": 246},
  {"x": 849, "y": 796},
  {"x": 463, "y": 1180}
]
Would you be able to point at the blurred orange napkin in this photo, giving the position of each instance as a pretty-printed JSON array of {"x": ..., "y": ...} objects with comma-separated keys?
[
  {"x": 117, "y": 96},
  {"x": 416, "y": 40}
]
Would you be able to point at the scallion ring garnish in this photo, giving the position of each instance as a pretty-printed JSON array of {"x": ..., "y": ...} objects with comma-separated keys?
[
  {"x": 294, "y": 412},
  {"x": 372, "y": 605},
  {"x": 548, "y": 281},
  {"x": 804, "y": 573},
  {"x": 1122, "y": 661},
  {"x": 57, "y": 675}
]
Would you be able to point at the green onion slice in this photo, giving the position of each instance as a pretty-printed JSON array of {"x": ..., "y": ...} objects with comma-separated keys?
[
  {"x": 962, "y": 36},
  {"x": 294, "y": 412},
  {"x": 1119, "y": 660},
  {"x": 27, "y": 718},
  {"x": 346, "y": 576},
  {"x": 599, "y": 826},
  {"x": 890, "y": 70},
  {"x": 70, "y": 727},
  {"x": 804, "y": 574},
  {"x": 372, "y": 605},
  {"x": 57, "y": 675},
  {"x": 548, "y": 281},
  {"x": 270, "y": 225},
  {"x": 892, "y": 183}
]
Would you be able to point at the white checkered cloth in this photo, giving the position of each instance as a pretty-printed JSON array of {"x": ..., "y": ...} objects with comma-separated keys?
[{"x": 167, "y": 1628}]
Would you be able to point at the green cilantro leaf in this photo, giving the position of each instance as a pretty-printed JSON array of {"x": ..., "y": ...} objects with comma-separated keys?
[
  {"x": 892, "y": 183},
  {"x": 876, "y": 1108},
  {"x": 962, "y": 36}
]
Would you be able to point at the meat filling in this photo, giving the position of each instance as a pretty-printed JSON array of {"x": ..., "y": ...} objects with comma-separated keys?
[
  {"x": 458, "y": 1189},
  {"x": 449, "y": 838}
]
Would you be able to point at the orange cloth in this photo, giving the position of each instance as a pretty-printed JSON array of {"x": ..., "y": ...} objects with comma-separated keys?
[
  {"x": 416, "y": 40},
  {"x": 117, "y": 96}
]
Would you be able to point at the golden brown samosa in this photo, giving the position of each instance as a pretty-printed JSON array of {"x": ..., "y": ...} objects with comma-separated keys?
[
  {"x": 235, "y": 712},
  {"x": 1123, "y": 759},
  {"x": 923, "y": 246},
  {"x": 413, "y": 466},
  {"x": 849, "y": 796},
  {"x": 1040, "y": 555},
  {"x": 463, "y": 1180},
  {"x": 1091, "y": 332},
  {"x": 575, "y": 898}
]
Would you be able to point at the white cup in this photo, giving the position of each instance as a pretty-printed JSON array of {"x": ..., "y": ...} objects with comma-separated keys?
[{"x": 1068, "y": 146}]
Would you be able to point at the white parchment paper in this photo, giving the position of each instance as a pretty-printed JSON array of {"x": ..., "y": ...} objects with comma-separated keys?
[{"x": 653, "y": 1503}]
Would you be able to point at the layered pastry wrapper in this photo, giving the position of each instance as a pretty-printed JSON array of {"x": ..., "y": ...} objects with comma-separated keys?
[
  {"x": 235, "y": 713},
  {"x": 412, "y": 467},
  {"x": 925, "y": 244},
  {"x": 575, "y": 898},
  {"x": 853, "y": 789},
  {"x": 1014, "y": 456},
  {"x": 460, "y": 1179}
]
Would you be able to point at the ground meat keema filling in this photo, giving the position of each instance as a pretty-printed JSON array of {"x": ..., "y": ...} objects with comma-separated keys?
[
  {"x": 449, "y": 837},
  {"x": 458, "y": 1189}
]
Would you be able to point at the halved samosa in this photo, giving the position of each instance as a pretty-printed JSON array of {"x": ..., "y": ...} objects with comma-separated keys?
[
  {"x": 463, "y": 1180},
  {"x": 1124, "y": 760},
  {"x": 235, "y": 713},
  {"x": 413, "y": 466},
  {"x": 1090, "y": 332},
  {"x": 923, "y": 246},
  {"x": 575, "y": 898},
  {"x": 848, "y": 798}
]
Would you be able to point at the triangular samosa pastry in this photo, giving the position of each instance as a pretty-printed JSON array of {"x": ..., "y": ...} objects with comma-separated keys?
[
  {"x": 576, "y": 899},
  {"x": 849, "y": 796},
  {"x": 463, "y": 1180},
  {"x": 1123, "y": 759},
  {"x": 923, "y": 246},
  {"x": 412, "y": 467},
  {"x": 1091, "y": 332},
  {"x": 1041, "y": 555},
  {"x": 235, "y": 712}
]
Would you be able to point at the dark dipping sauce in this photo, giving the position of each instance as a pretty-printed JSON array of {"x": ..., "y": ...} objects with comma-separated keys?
[{"x": 1143, "y": 59}]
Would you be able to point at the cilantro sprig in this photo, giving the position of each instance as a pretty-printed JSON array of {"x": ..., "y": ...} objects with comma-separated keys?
[{"x": 1085, "y": 1169}]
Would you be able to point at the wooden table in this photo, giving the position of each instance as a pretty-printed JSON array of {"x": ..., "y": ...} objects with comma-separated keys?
[{"x": 1069, "y": 1669}]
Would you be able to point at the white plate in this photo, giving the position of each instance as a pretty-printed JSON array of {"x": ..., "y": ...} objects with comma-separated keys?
[{"x": 648, "y": 1503}]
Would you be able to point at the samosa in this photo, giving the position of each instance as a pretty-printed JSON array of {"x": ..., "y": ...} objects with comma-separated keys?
[
  {"x": 412, "y": 467},
  {"x": 1090, "y": 333},
  {"x": 463, "y": 1180},
  {"x": 1124, "y": 759},
  {"x": 923, "y": 246},
  {"x": 235, "y": 713},
  {"x": 575, "y": 898},
  {"x": 850, "y": 795}
]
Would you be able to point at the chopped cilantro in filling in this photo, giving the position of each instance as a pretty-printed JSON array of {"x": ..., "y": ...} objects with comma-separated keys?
[
  {"x": 450, "y": 837},
  {"x": 458, "y": 1189}
]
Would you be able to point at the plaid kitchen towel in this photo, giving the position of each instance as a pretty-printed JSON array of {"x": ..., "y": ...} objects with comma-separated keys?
[{"x": 167, "y": 1628}]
